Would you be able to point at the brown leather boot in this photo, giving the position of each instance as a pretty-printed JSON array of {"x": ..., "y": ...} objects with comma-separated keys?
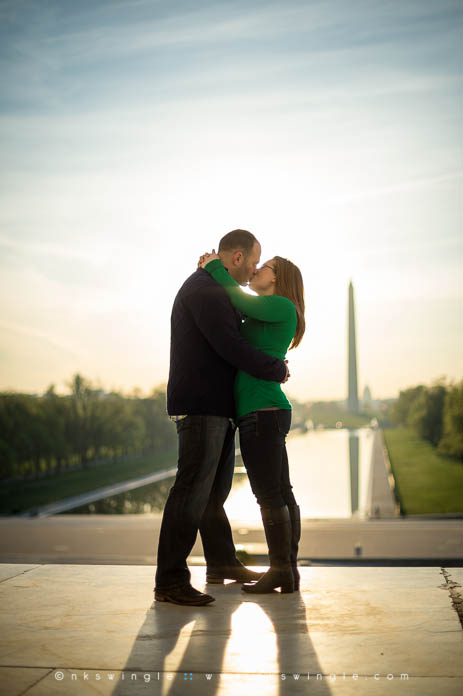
[
  {"x": 295, "y": 516},
  {"x": 277, "y": 526}
]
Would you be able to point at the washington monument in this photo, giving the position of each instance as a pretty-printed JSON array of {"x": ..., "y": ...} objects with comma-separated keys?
[{"x": 352, "y": 399}]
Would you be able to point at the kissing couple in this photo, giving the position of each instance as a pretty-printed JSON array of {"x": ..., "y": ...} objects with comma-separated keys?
[{"x": 227, "y": 364}]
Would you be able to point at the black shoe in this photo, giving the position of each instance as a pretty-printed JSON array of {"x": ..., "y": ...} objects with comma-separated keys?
[
  {"x": 216, "y": 576},
  {"x": 183, "y": 595}
]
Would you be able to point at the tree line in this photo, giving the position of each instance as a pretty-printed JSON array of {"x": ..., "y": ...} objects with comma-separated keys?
[
  {"x": 51, "y": 433},
  {"x": 435, "y": 413}
]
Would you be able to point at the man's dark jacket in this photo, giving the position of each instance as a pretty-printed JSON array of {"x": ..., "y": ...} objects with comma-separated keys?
[{"x": 206, "y": 349}]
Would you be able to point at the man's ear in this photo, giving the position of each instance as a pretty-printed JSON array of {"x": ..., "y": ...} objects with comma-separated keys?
[{"x": 237, "y": 257}]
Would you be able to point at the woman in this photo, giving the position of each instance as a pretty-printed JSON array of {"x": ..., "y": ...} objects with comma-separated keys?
[{"x": 273, "y": 322}]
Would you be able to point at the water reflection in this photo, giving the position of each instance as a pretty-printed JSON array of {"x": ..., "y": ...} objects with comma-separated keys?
[
  {"x": 354, "y": 471},
  {"x": 330, "y": 472}
]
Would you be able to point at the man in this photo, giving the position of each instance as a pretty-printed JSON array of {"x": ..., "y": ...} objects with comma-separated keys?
[{"x": 206, "y": 350}]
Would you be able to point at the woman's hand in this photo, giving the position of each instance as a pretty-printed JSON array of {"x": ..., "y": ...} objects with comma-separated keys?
[{"x": 205, "y": 258}]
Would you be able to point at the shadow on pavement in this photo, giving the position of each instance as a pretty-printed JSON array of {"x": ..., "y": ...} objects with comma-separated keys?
[{"x": 254, "y": 636}]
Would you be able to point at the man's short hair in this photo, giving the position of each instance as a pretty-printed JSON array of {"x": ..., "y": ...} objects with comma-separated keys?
[{"x": 238, "y": 239}]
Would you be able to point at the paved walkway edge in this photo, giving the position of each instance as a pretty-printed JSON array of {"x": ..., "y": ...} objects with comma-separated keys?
[{"x": 381, "y": 496}]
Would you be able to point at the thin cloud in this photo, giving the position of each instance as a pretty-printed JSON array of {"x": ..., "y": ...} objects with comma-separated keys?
[
  {"x": 29, "y": 332},
  {"x": 47, "y": 250},
  {"x": 401, "y": 187},
  {"x": 214, "y": 45}
]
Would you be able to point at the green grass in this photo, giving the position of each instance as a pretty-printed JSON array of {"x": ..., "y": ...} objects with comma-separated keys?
[
  {"x": 426, "y": 482},
  {"x": 18, "y": 496}
]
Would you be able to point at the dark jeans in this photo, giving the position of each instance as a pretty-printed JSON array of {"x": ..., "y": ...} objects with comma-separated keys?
[
  {"x": 206, "y": 459},
  {"x": 263, "y": 448}
]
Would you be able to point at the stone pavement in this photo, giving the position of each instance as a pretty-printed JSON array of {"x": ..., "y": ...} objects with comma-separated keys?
[{"x": 94, "y": 630}]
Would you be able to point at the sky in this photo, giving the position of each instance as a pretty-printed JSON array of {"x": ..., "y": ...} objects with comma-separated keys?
[{"x": 135, "y": 134}]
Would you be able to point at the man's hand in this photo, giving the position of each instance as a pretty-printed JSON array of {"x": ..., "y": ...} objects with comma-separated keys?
[{"x": 288, "y": 374}]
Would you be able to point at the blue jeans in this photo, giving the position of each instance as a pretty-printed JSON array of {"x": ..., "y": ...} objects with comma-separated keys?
[
  {"x": 263, "y": 448},
  {"x": 206, "y": 459}
]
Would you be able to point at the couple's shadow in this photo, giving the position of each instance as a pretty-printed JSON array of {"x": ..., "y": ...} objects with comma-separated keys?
[{"x": 256, "y": 636}]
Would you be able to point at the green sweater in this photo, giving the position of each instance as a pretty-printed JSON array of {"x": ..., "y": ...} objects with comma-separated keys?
[{"x": 269, "y": 325}]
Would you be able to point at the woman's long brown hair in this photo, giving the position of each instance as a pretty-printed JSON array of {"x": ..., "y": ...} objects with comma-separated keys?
[{"x": 289, "y": 284}]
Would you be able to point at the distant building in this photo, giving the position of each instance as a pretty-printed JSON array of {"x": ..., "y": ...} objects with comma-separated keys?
[{"x": 367, "y": 399}]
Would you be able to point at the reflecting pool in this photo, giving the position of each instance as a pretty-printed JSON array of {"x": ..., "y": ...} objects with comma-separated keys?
[{"x": 330, "y": 471}]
